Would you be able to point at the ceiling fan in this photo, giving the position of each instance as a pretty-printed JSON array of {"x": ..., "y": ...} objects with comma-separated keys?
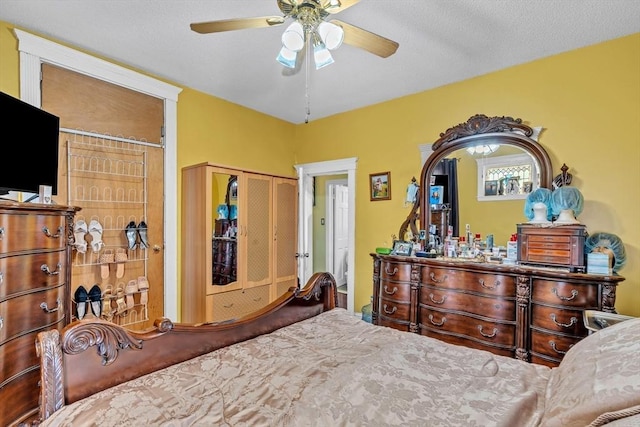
[{"x": 310, "y": 27}]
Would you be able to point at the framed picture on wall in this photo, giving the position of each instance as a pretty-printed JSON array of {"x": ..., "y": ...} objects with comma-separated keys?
[
  {"x": 491, "y": 188},
  {"x": 380, "y": 186}
]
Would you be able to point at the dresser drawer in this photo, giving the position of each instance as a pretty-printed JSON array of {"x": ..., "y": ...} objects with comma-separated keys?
[
  {"x": 22, "y": 232},
  {"x": 564, "y": 293},
  {"x": 22, "y": 393},
  {"x": 394, "y": 291},
  {"x": 480, "y": 330},
  {"x": 558, "y": 319},
  {"x": 19, "y": 354},
  {"x": 23, "y": 273},
  {"x": 395, "y": 271},
  {"x": 234, "y": 304},
  {"x": 445, "y": 299},
  {"x": 551, "y": 345},
  {"x": 489, "y": 284},
  {"x": 394, "y": 309},
  {"x": 25, "y": 314}
]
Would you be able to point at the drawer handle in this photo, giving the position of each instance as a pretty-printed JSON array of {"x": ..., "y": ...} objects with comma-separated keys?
[
  {"x": 47, "y": 233},
  {"x": 390, "y": 273},
  {"x": 493, "y": 334},
  {"x": 572, "y": 322},
  {"x": 444, "y": 297},
  {"x": 484, "y": 285},
  {"x": 45, "y": 268},
  {"x": 444, "y": 319},
  {"x": 432, "y": 275},
  {"x": 1, "y": 277},
  {"x": 553, "y": 346},
  {"x": 389, "y": 312},
  {"x": 257, "y": 299},
  {"x": 386, "y": 290},
  {"x": 1, "y": 233},
  {"x": 574, "y": 294},
  {"x": 1, "y": 322},
  {"x": 46, "y": 308},
  {"x": 228, "y": 306}
]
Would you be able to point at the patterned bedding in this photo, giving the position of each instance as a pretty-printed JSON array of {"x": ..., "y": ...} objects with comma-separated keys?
[{"x": 336, "y": 370}]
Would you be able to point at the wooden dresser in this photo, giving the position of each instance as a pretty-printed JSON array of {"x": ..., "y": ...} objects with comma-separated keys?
[
  {"x": 35, "y": 275},
  {"x": 527, "y": 312}
]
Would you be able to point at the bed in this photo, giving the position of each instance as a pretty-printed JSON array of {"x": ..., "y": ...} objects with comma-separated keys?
[{"x": 302, "y": 361}]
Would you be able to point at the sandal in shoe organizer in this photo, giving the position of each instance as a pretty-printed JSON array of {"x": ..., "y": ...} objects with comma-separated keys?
[{"x": 95, "y": 230}]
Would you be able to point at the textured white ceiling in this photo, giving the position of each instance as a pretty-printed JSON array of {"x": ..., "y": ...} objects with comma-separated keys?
[{"x": 440, "y": 42}]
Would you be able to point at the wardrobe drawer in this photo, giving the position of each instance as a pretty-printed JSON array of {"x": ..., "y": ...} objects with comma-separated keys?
[
  {"x": 480, "y": 330},
  {"x": 25, "y": 314},
  {"x": 22, "y": 273},
  {"x": 22, "y": 232},
  {"x": 490, "y": 284},
  {"x": 564, "y": 293},
  {"x": 557, "y": 319},
  {"x": 445, "y": 299},
  {"x": 234, "y": 304}
]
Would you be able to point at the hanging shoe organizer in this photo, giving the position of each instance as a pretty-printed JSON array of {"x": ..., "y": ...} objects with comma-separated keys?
[{"x": 107, "y": 178}]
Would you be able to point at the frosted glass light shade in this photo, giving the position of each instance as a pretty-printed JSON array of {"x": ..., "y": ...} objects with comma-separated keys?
[
  {"x": 321, "y": 56},
  {"x": 293, "y": 37},
  {"x": 483, "y": 149},
  {"x": 331, "y": 35},
  {"x": 287, "y": 57}
]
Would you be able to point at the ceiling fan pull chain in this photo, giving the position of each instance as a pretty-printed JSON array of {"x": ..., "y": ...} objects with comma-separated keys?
[{"x": 306, "y": 80}]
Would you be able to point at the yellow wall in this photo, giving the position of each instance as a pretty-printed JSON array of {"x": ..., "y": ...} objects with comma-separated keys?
[{"x": 587, "y": 99}]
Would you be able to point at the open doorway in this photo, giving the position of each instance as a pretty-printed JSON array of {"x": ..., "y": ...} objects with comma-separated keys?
[{"x": 307, "y": 255}]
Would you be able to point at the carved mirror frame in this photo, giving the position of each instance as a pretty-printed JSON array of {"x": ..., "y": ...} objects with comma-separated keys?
[{"x": 478, "y": 130}]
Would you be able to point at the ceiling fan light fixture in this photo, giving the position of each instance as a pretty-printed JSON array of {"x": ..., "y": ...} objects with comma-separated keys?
[
  {"x": 483, "y": 149},
  {"x": 293, "y": 37},
  {"x": 332, "y": 35},
  {"x": 287, "y": 57},
  {"x": 321, "y": 56}
]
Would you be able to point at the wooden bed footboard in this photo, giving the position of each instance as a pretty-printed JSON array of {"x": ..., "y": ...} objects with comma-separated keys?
[{"x": 68, "y": 372}]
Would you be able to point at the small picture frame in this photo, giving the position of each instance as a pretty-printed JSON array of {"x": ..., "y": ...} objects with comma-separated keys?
[
  {"x": 527, "y": 187},
  {"x": 491, "y": 188},
  {"x": 436, "y": 196},
  {"x": 380, "y": 186},
  {"x": 400, "y": 247}
]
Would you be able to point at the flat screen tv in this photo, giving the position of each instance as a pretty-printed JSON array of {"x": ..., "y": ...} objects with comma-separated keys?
[{"x": 28, "y": 146}]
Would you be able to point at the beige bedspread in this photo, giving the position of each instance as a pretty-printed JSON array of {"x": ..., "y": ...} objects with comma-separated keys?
[{"x": 331, "y": 370}]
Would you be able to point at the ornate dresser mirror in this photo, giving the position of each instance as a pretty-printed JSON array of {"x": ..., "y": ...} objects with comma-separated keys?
[{"x": 504, "y": 133}]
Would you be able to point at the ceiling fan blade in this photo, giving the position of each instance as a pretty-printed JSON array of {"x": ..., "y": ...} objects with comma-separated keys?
[
  {"x": 356, "y": 36},
  {"x": 340, "y": 6},
  {"x": 236, "y": 24}
]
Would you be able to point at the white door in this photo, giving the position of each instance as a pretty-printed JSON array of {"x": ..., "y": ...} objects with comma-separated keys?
[
  {"x": 339, "y": 219},
  {"x": 306, "y": 172}
]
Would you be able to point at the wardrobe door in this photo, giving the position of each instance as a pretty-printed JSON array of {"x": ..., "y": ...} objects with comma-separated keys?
[
  {"x": 286, "y": 236},
  {"x": 255, "y": 243}
]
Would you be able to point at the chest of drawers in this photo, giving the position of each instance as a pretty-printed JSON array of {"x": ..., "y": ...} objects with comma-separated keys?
[
  {"x": 560, "y": 246},
  {"x": 34, "y": 296},
  {"x": 522, "y": 311}
]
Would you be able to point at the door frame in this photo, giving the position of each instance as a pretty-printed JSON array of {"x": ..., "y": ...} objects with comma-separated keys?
[
  {"x": 35, "y": 50},
  {"x": 306, "y": 173}
]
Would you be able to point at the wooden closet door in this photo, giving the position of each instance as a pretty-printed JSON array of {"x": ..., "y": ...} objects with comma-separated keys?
[
  {"x": 286, "y": 234},
  {"x": 256, "y": 246},
  {"x": 91, "y": 105}
]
